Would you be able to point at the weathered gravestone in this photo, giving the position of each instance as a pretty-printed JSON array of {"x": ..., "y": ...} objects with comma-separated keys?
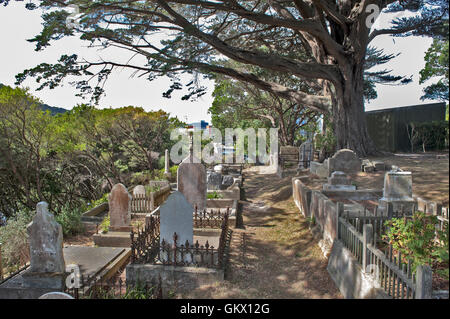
[
  {"x": 191, "y": 181},
  {"x": 339, "y": 181},
  {"x": 397, "y": 190},
  {"x": 47, "y": 266},
  {"x": 305, "y": 154},
  {"x": 119, "y": 208},
  {"x": 213, "y": 180},
  {"x": 176, "y": 216},
  {"x": 344, "y": 160},
  {"x": 139, "y": 190},
  {"x": 227, "y": 181}
]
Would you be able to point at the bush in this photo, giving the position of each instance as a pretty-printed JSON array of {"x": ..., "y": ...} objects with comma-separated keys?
[
  {"x": 214, "y": 195},
  {"x": 104, "y": 226},
  {"x": 14, "y": 239},
  {"x": 70, "y": 220},
  {"x": 103, "y": 199},
  {"x": 431, "y": 135},
  {"x": 415, "y": 238}
]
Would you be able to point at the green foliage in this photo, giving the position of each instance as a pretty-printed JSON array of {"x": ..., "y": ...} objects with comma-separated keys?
[
  {"x": 104, "y": 226},
  {"x": 139, "y": 291},
  {"x": 70, "y": 220},
  {"x": 414, "y": 238},
  {"x": 214, "y": 195},
  {"x": 436, "y": 67},
  {"x": 71, "y": 158},
  {"x": 14, "y": 239},
  {"x": 101, "y": 200},
  {"x": 327, "y": 141},
  {"x": 432, "y": 135}
]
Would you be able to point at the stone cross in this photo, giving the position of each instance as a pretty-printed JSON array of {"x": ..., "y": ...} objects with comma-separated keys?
[
  {"x": 46, "y": 243},
  {"x": 191, "y": 181},
  {"x": 119, "y": 208},
  {"x": 176, "y": 216}
]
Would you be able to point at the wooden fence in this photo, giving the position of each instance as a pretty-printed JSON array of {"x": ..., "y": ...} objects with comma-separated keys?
[{"x": 143, "y": 203}]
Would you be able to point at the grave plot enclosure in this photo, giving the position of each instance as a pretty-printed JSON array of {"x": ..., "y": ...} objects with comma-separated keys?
[{"x": 181, "y": 264}]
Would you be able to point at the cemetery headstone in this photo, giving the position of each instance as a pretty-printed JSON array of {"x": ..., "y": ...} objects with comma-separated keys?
[
  {"x": 45, "y": 236},
  {"x": 227, "y": 181},
  {"x": 397, "y": 190},
  {"x": 119, "y": 208},
  {"x": 139, "y": 190},
  {"x": 176, "y": 216},
  {"x": 339, "y": 181},
  {"x": 306, "y": 152},
  {"x": 344, "y": 160},
  {"x": 213, "y": 180},
  {"x": 191, "y": 181}
]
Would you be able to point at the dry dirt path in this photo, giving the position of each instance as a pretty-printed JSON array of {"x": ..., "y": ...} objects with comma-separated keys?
[{"x": 281, "y": 259}]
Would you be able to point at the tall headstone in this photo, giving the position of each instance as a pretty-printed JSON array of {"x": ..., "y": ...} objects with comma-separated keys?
[
  {"x": 191, "y": 181},
  {"x": 176, "y": 216},
  {"x": 305, "y": 154},
  {"x": 119, "y": 208},
  {"x": 166, "y": 162},
  {"x": 47, "y": 266}
]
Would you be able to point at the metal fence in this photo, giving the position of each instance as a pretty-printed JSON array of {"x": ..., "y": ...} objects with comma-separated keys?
[
  {"x": 114, "y": 288},
  {"x": 146, "y": 246}
]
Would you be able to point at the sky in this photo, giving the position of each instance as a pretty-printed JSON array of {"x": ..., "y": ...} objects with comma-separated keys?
[{"x": 16, "y": 54}]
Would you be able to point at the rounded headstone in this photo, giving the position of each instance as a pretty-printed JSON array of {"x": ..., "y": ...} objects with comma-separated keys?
[{"x": 56, "y": 295}]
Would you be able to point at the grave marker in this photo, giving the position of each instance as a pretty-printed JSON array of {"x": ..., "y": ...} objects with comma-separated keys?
[{"x": 119, "y": 208}]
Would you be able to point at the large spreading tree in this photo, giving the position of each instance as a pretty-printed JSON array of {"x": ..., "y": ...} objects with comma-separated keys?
[{"x": 187, "y": 36}]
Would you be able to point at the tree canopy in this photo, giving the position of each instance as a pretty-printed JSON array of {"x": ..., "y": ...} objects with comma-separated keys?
[{"x": 321, "y": 42}]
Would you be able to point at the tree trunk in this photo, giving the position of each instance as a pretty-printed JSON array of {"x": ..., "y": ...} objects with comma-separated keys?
[{"x": 349, "y": 118}]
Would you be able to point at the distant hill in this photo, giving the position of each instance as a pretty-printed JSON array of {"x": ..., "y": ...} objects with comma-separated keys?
[{"x": 53, "y": 110}]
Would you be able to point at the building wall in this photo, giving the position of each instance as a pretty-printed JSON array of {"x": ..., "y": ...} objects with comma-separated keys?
[{"x": 388, "y": 127}]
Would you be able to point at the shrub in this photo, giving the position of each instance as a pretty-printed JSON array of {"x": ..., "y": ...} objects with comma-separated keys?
[
  {"x": 214, "y": 195},
  {"x": 14, "y": 239},
  {"x": 70, "y": 220},
  {"x": 415, "y": 238},
  {"x": 104, "y": 226},
  {"x": 103, "y": 199}
]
